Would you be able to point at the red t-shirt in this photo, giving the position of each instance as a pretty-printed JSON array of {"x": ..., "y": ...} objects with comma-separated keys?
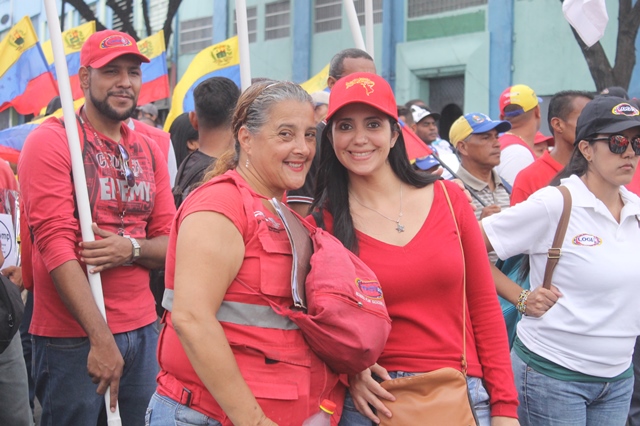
[
  {"x": 162, "y": 138},
  {"x": 48, "y": 196},
  {"x": 534, "y": 177},
  {"x": 422, "y": 284}
]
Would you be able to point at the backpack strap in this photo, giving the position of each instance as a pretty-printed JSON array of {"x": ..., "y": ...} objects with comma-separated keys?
[
  {"x": 506, "y": 185},
  {"x": 553, "y": 256}
]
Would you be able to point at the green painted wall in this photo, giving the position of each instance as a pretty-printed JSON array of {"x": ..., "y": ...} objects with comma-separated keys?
[
  {"x": 446, "y": 26},
  {"x": 546, "y": 55}
]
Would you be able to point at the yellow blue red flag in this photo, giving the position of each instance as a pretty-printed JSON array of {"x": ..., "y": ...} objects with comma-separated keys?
[
  {"x": 219, "y": 60},
  {"x": 25, "y": 81},
  {"x": 155, "y": 76},
  {"x": 72, "y": 40},
  {"x": 318, "y": 82}
]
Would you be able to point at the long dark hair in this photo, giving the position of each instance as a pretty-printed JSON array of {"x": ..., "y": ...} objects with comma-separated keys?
[
  {"x": 332, "y": 184},
  {"x": 578, "y": 165}
]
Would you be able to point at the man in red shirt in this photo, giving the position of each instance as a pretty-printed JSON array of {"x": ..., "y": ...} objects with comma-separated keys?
[
  {"x": 519, "y": 105},
  {"x": 564, "y": 109},
  {"x": 132, "y": 209}
]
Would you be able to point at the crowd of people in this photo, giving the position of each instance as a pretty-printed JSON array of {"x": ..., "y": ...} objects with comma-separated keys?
[{"x": 193, "y": 256}]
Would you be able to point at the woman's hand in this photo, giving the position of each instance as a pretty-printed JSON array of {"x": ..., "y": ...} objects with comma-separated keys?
[
  {"x": 541, "y": 300},
  {"x": 365, "y": 390},
  {"x": 504, "y": 421}
]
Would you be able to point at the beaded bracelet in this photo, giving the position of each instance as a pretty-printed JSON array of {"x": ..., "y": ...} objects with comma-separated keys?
[{"x": 521, "y": 306}]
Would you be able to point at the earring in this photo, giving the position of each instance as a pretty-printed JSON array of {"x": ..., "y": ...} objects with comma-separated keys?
[{"x": 246, "y": 164}]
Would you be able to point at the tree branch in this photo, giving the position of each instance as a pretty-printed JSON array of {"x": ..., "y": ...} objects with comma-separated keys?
[
  {"x": 172, "y": 9},
  {"x": 86, "y": 12},
  {"x": 145, "y": 14},
  {"x": 124, "y": 17},
  {"x": 597, "y": 61}
]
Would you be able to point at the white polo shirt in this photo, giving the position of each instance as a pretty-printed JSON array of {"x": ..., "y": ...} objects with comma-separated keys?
[{"x": 592, "y": 328}]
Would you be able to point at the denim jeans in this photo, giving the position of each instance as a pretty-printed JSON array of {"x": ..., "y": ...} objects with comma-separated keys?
[
  {"x": 545, "y": 401},
  {"x": 65, "y": 390},
  {"x": 164, "y": 411},
  {"x": 14, "y": 391},
  {"x": 477, "y": 391},
  {"x": 26, "y": 344}
]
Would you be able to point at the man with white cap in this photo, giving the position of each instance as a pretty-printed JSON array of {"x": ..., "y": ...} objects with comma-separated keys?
[{"x": 426, "y": 128}]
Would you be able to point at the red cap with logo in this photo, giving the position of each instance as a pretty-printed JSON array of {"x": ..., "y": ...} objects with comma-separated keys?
[
  {"x": 105, "y": 46},
  {"x": 365, "y": 88}
]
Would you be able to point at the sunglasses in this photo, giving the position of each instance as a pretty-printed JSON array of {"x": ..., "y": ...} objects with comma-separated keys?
[
  {"x": 128, "y": 174},
  {"x": 618, "y": 143}
]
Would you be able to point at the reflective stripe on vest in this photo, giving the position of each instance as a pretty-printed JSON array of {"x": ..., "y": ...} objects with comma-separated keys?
[{"x": 242, "y": 314}]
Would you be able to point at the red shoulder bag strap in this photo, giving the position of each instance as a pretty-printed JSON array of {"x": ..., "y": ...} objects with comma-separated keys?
[{"x": 553, "y": 256}]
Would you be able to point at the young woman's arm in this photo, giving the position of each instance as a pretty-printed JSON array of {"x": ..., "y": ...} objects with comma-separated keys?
[{"x": 209, "y": 254}]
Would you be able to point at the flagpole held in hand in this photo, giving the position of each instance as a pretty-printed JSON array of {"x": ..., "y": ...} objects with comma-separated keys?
[{"x": 77, "y": 168}]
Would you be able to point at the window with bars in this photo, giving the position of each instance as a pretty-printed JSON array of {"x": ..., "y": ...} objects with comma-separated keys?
[
  {"x": 127, "y": 7},
  {"x": 196, "y": 34},
  {"x": 328, "y": 15},
  {"x": 377, "y": 11},
  {"x": 430, "y": 7},
  {"x": 276, "y": 20},
  {"x": 252, "y": 23}
]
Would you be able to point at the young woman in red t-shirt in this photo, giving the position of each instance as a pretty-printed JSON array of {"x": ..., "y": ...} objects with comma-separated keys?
[{"x": 400, "y": 224}]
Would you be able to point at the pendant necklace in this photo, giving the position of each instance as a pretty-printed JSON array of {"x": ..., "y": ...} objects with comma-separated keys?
[{"x": 399, "y": 228}]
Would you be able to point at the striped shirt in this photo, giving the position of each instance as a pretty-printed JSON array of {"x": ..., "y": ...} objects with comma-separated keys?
[{"x": 499, "y": 196}]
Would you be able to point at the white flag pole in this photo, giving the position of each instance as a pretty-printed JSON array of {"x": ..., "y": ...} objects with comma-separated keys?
[
  {"x": 352, "y": 17},
  {"x": 243, "y": 44},
  {"x": 368, "y": 25},
  {"x": 77, "y": 167}
]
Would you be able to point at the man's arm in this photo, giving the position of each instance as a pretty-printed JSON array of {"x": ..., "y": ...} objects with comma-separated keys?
[
  {"x": 114, "y": 250},
  {"x": 105, "y": 362}
]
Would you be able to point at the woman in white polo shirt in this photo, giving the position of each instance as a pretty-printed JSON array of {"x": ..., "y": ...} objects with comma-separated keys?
[{"x": 572, "y": 355}]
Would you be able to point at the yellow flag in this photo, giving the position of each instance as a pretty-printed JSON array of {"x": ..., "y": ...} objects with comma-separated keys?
[
  {"x": 20, "y": 37},
  {"x": 73, "y": 40},
  {"x": 318, "y": 82}
]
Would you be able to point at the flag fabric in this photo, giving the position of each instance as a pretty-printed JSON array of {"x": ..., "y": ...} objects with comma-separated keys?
[
  {"x": 12, "y": 139},
  {"x": 218, "y": 60},
  {"x": 318, "y": 82},
  {"x": 413, "y": 144},
  {"x": 72, "y": 39},
  {"x": 155, "y": 76},
  {"x": 25, "y": 81},
  {"x": 588, "y": 17}
]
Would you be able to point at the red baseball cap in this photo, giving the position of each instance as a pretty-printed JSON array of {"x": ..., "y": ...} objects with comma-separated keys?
[
  {"x": 540, "y": 138},
  {"x": 365, "y": 88},
  {"x": 105, "y": 46}
]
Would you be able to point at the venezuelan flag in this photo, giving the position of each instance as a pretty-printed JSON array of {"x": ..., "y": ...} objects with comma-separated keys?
[
  {"x": 73, "y": 40},
  {"x": 25, "y": 81},
  {"x": 155, "y": 77},
  {"x": 219, "y": 60},
  {"x": 12, "y": 139},
  {"x": 318, "y": 82}
]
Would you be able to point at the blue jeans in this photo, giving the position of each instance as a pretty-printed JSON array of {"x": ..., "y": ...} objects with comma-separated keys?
[
  {"x": 26, "y": 344},
  {"x": 164, "y": 411},
  {"x": 545, "y": 401},
  {"x": 479, "y": 400},
  {"x": 65, "y": 390}
]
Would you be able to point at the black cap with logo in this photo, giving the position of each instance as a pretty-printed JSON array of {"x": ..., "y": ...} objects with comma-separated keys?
[{"x": 606, "y": 114}]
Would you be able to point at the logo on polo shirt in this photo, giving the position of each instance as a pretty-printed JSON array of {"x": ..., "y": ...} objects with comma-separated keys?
[
  {"x": 625, "y": 109},
  {"x": 586, "y": 240}
]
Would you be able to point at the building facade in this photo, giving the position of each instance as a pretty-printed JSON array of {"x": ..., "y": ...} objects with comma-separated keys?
[{"x": 456, "y": 55}]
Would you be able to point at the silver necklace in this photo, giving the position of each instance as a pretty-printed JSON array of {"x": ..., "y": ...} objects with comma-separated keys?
[{"x": 399, "y": 228}]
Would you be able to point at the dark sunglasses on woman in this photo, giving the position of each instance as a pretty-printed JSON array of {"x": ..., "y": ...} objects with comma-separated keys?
[{"x": 618, "y": 143}]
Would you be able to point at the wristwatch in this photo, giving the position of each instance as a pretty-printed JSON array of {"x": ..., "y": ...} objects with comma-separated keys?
[{"x": 136, "y": 249}]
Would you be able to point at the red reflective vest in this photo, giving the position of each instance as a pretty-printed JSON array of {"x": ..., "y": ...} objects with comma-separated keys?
[{"x": 288, "y": 380}]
